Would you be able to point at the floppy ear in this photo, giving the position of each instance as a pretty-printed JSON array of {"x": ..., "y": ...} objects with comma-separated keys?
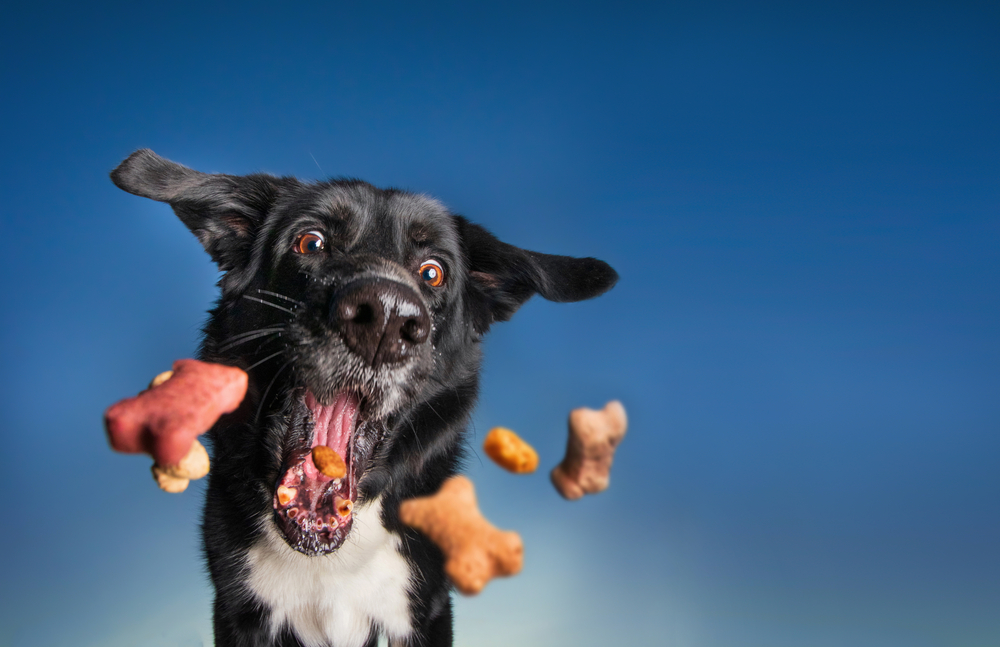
[
  {"x": 502, "y": 277},
  {"x": 223, "y": 211}
]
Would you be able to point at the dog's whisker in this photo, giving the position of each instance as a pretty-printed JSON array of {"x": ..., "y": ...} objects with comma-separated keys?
[
  {"x": 271, "y": 356},
  {"x": 263, "y": 399},
  {"x": 268, "y": 303},
  {"x": 248, "y": 338},
  {"x": 281, "y": 296},
  {"x": 416, "y": 436},
  {"x": 252, "y": 332},
  {"x": 436, "y": 413},
  {"x": 468, "y": 442},
  {"x": 264, "y": 345}
]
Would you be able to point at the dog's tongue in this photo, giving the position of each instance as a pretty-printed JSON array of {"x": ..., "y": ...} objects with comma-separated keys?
[{"x": 333, "y": 427}]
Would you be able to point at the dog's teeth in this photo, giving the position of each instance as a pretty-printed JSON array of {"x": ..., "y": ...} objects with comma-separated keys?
[
  {"x": 343, "y": 506},
  {"x": 286, "y": 494}
]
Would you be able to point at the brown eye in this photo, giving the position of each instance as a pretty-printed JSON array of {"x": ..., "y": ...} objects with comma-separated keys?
[
  {"x": 310, "y": 242},
  {"x": 432, "y": 273}
]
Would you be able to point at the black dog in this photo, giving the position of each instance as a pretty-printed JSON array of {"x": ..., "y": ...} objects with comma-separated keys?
[{"x": 358, "y": 314}]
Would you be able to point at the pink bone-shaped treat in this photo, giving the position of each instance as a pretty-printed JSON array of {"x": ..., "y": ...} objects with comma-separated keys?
[{"x": 164, "y": 421}]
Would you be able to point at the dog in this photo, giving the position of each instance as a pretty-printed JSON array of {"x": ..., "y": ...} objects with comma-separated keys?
[{"x": 358, "y": 314}]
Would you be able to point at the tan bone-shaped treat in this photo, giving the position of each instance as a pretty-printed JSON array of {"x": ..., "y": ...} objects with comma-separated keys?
[
  {"x": 475, "y": 551},
  {"x": 593, "y": 437},
  {"x": 175, "y": 478},
  {"x": 510, "y": 452}
]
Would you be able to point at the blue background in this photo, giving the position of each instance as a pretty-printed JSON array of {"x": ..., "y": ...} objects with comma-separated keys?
[{"x": 803, "y": 202}]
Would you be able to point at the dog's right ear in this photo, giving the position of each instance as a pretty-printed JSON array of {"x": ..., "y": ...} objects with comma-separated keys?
[
  {"x": 502, "y": 277},
  {"x": 223, "y": 211}
]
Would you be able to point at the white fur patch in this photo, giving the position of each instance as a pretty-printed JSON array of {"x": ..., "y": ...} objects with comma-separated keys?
[{"x": 333, "y": 599}]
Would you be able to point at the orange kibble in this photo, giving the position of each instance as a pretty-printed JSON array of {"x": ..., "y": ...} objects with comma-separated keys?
[
  {"x": 329, "y": 462},
  {"x": 510, "y": 452}
]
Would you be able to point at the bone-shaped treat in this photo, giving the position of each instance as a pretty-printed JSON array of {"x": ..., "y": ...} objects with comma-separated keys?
[
  {"x": 165, "y": 420},
  {"x": 510, "y": 452},
  {"x": 475, "y": 551},
  {"x": 175, "y": 478},
  {"x": 593, "y": 437}
]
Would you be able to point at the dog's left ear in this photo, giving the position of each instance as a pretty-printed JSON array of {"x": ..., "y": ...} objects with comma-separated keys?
[
  {"x": 503, "y": 277},
  {"x": 223, "y": 211}
]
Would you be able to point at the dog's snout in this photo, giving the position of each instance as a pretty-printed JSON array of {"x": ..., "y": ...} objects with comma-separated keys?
[{"x": 380, "y": 320}]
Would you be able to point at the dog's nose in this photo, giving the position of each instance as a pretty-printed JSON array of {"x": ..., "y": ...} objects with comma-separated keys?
[{"x": 380, "y": 320}]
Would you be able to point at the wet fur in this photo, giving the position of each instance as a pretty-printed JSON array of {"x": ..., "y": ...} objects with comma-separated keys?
[{"x": 272, "y": 319}]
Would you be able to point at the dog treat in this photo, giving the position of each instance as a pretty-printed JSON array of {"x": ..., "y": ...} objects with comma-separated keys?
[
  {"x": 509, "y": 451},
  {"x": 165, "y": 420},
  {"x": 160, "y": 379},
  {"x": 593, "y": 437},
  {"x": 169, "y": 483},
  {"x": 475, "y": 551},
  {"x": 175, "y": 478},
  {"x": 329, "y": 462}
]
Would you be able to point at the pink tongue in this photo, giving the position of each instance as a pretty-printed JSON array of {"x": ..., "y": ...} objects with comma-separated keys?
[{"x": 333, "y": 428}]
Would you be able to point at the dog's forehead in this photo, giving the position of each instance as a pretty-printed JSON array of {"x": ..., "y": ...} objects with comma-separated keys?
[{"x": 387, "y": 218}]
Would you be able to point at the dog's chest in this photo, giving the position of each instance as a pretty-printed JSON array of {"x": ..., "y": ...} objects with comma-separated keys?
[{"x": 334, "y": 599}]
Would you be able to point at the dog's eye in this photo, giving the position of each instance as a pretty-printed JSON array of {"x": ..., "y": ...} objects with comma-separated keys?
[
  {"x": 432, "y": 273},
  {"x": 310, "y": 242}
]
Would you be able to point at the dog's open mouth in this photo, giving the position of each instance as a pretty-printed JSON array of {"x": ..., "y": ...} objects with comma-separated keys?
[{"x": 312, "y": 509}]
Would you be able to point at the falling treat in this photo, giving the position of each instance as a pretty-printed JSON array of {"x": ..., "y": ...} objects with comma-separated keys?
[
  {"x": 168, "y": 483},
  {"x": 593, "y": 437},
  {"x": 160, "y": 379},
  {"x": 509, "y": 451},
  {"x": 475, "y": 551},
  {"x": 175, "y": 478},
  {"x": 165, "y": 420},
  {"x": 194, "y": 465},
  {"x": 329, "y": 462}
]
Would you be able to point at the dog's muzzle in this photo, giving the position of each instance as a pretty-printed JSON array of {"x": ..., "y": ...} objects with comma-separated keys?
[
  {"x": 380, "y": 320},
  {"x": 385, "y": 328}
]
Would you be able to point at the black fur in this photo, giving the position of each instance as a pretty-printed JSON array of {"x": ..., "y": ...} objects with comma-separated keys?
[{"x": 276, "y": 318}]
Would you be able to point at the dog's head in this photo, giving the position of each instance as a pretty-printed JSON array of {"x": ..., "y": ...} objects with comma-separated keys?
[{"x": 357, "y": 313}]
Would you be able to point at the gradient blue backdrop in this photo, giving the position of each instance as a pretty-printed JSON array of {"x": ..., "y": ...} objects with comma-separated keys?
[{"x": 802, "y": 201}]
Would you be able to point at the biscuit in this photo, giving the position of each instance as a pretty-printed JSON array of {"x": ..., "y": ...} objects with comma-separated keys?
[
  {"x": 590, "y": 449},
  {"x": 475, "y": 551}
]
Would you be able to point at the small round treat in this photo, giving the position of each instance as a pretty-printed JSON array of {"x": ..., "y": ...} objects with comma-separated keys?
[
  {"x": 329, "y": 462},
  {"x": 510, "y": 452}
]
